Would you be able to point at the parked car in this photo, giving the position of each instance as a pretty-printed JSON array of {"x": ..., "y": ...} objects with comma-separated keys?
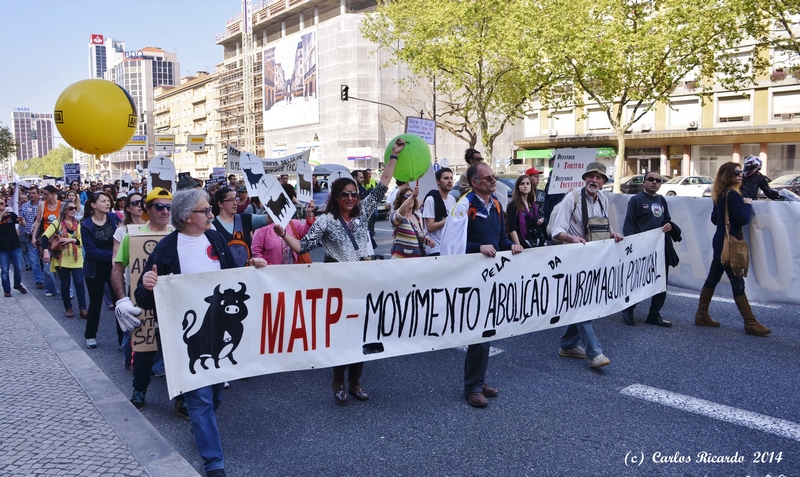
[
  {"x": 686, "y": 186},
  {"x": 627, "y": 185},
  {"x": 789, "y": 182}
]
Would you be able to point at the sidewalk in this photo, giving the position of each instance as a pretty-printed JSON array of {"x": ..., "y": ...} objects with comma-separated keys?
[{"x": 60, "y": 415}]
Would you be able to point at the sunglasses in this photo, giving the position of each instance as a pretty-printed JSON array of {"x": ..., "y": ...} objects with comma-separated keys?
[
  {"x": 737, "y": 173},
  {"x": 71, "y": 209},
  {"x": 407, "y": 196},
  {"x": 489, "y": 179},
  {"x": 350, "y": 194},
  {"x": 136, "y": 203},
  {"x": 653, "y": 179},
  {"x": 162, "y": 207}
]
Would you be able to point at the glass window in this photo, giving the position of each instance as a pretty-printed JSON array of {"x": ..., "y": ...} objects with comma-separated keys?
[{"x": 707, "y": 159}]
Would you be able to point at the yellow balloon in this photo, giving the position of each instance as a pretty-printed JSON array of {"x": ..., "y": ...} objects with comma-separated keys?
[{"x": 96, "y": 116}]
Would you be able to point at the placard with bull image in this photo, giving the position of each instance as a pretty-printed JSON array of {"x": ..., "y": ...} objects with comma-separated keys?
[
  {"x": 267, "y": 188},
  {"x": 161, "y": 173},
  {"x": 305, "y": 181},
  {"x": 232, "y": 324}
]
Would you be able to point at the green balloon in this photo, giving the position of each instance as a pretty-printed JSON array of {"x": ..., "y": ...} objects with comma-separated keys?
[{"x": 413, "y": 161}]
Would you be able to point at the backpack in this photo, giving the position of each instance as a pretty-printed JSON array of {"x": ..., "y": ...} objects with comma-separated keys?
[
  {"x": 240, "y": 251},
  {"x": 473, "y": 211}
]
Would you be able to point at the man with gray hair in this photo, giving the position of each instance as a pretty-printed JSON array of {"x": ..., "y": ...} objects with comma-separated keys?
[
  {"x": 569, "y": 224},
  {"x": 194, "y": 247}
]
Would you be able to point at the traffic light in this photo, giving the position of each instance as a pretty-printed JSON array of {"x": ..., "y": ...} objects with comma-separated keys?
[{"x": 345, "y": 92}]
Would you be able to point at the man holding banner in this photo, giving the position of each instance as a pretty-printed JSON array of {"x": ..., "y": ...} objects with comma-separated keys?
[
  {"x": 477, "y": 225},
  {"x": 194, "y": 247},
  {"x": 568, "y": 224}
]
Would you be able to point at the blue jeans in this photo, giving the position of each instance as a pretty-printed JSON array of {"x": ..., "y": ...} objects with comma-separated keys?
[
  {"x": 475, "y": 364},
  {"x": 50, "y": 280},
  {"x": 715, "y": 275},
  {"x": 201, "y": 404},
  {"x": 581, "y": 333},
  {"x": 33, "y": 258},
  {"x": 64, "y": 274},
  {"x": 15, "y": 257}
]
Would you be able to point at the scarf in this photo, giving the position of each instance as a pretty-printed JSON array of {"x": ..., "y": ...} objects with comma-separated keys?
[
  {"x": 524, "y": 215},
  {"x": 69, "y": 231}
]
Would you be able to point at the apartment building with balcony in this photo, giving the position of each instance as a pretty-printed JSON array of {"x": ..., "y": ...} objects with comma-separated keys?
[
  {"x": 688, "y": 137},
  {"x": 304, "y": 50},
  {"x": 190, "y": 109}
]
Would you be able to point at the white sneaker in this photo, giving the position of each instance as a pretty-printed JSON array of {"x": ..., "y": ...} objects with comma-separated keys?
[
  {"x": 599, "y": 361},
  {"x": 576, "y": 352},
  {"x": 91, "y": 343}
]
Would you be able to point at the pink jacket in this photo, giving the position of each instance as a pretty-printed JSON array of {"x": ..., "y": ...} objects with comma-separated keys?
[{"x": 267, "y": 245}]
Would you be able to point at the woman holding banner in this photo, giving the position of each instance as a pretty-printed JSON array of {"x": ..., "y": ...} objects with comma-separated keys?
[
  {"x": 344, "y": 232},
  {"x": 729, "y": 206}
]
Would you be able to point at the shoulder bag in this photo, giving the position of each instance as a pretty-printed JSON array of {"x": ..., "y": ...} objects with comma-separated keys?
[{"x": 735, "y": 252}]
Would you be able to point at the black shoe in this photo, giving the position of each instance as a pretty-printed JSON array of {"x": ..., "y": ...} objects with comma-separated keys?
[
  {"x": 21, "y": 289},
  {"x": 216, "y": 473},
  {"x": 628, "y": 319},
  {"x": 658, "y": 321},
  {"x": 138, "y": 400},
  {"x": 181, "y": 410}
]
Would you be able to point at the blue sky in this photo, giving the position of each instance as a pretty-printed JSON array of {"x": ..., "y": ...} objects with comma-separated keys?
[{"x": 45, "y": 42}]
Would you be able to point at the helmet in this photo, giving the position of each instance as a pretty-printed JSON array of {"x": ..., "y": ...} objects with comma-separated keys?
[{"x": 752, "y": 164}]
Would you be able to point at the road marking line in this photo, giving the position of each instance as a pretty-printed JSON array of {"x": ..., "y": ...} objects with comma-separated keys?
[
  {"x": 492, "y": 350},
  {"x": 721, "y": 412},
  {"x": 723, "y": 299}
]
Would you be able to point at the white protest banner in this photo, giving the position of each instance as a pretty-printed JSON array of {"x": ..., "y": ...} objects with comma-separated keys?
[
  {"x": 568, "y": 167},
  {"x": 424, "y": 128},
  {"x": 285, "y": 164},
  {"x": 231, "y": 324},
  {"x": 305, "y": 182},
  {"x": 72, "y": 172},
  {"x": 161, "y": 173},
  {"x": 267, "y": 188},
  {"x": 773, "y": 234},
  {"x": 126, "y": 179}
]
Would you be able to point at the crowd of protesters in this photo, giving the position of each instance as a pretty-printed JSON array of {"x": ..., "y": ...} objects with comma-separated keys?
[{"x": 79, "y": 238}]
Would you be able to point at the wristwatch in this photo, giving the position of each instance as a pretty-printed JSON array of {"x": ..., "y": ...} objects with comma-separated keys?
[{"x": 393, "y": 156}]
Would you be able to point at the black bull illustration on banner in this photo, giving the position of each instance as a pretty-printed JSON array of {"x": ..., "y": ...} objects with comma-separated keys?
[{"x": 221, "y": 330}]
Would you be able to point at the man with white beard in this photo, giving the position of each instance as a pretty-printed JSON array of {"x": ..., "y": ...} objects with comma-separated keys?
[{"x": 568, "y": 225}]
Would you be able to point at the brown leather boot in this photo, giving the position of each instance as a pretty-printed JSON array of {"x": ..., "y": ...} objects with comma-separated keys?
[
  {"x": 702, "y": 318},
  {"x": 751, "y": 324},
  {"x": 354, "y": 377}
]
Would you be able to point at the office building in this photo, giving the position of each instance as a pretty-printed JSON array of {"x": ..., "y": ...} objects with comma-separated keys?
[{"x": 33, "y": 133}]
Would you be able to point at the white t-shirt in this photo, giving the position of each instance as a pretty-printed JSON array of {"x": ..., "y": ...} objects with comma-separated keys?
[
  {"x": 196, "y": 254},
  {"x": 429, "y": 212}
]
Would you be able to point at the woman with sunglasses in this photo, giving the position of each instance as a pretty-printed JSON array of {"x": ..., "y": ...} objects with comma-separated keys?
[
  {"x": 73, "y": 196},
  {"x": 228, "y": 222},
  {"x": 68, "y": 262},
  {"x": 728, "y": 201},
  {"x": 523, "y": 222},
  {"x": 410, "y": 236},
  {"x": 98, "y": 230},
  {"x": 343, "y": 231}
]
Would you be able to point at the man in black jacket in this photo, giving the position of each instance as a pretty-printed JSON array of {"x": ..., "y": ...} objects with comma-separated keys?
[
  {"x": 753, "y": 180},
  {"x": 647, "y": 211}
]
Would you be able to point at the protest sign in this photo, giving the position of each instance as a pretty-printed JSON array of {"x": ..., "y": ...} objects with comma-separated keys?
[
  {"x": 568, "y": 168},
  {"x": 161, "y": 173},
  {"x": 267, "y": 188},
  {"x": 140, "y": 246},
  {"x": 231, "y": 324}
]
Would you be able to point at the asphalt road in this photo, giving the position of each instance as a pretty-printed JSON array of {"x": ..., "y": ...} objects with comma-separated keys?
[{"x": 668, "y": 396}]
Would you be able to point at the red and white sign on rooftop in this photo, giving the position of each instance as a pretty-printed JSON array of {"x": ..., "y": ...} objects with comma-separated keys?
[{"x": 97, "y": 39}]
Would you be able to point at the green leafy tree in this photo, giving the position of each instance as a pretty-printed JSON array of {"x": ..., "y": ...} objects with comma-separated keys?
[
  {"x": 7, "y": 146},
  {"x": 470, "y": 50},
  {"x": 628, "y": 56},
  {"x": 782, "y": 15},
  {"x": 52, "y": 164}
]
